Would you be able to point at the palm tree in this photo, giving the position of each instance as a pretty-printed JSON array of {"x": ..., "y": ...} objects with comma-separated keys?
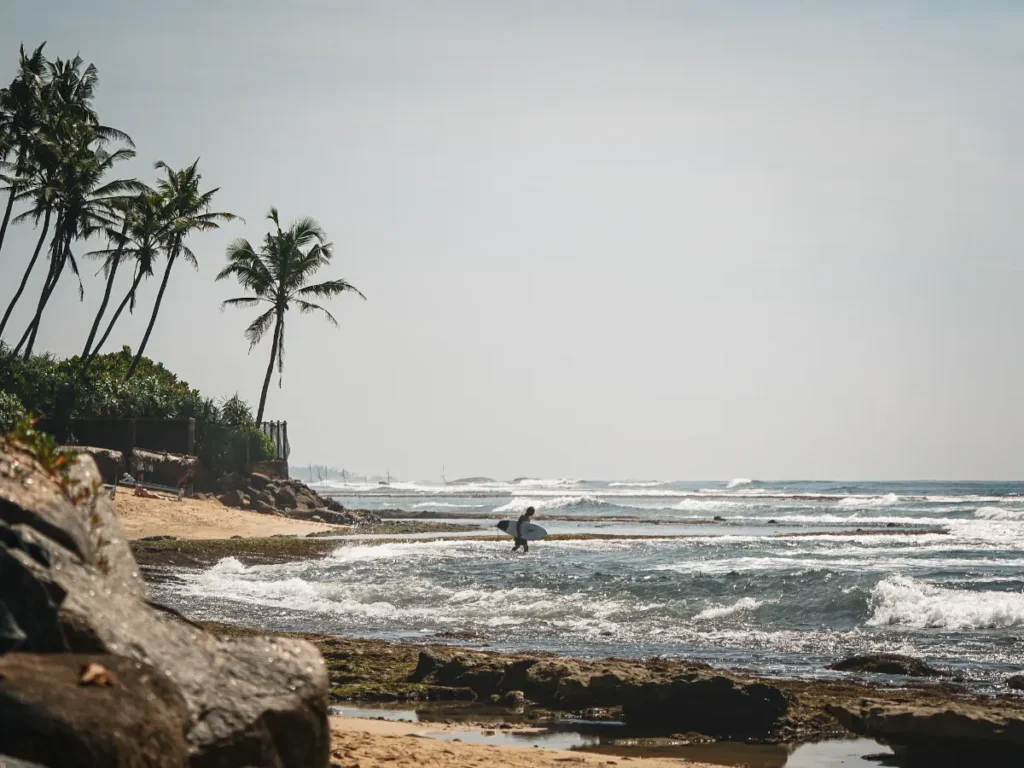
[
  {"x": 123, "y": 210},
  {"x": 20, "y": 121},
  {"x": 84, "y": 205},
  {"x": 142, "y": 241},
  {"x": 188, "y": 211},
  {"x": 279, "y": 274},
  {"x": 42, "y": 190}
]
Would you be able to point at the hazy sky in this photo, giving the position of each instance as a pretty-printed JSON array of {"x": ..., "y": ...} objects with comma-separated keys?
[{"x": 598, "y": 239}]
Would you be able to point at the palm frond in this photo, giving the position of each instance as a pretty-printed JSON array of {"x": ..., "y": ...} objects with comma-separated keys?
[
  {"x": 329, "y": 289},
  {"x": 258, "y": 328}
]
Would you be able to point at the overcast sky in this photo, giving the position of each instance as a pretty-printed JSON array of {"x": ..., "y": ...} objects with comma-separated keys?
[{"x": 680, "y": 240}]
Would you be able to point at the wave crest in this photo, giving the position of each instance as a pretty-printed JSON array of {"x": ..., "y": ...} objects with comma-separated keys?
[
  {"x": 900, "y": 601},
  {"x": 721, "y": 611}
]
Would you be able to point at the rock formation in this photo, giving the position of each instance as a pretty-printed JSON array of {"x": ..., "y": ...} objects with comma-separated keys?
[{"x": 71, "y": 590}]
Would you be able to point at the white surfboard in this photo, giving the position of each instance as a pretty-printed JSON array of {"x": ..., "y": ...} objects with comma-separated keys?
[{"x": 529, "y": 531}]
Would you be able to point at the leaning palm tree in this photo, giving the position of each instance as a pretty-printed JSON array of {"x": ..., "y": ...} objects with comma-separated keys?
[
  {"x": 125, "y": 211},
  {"x": 20, "y": 122},
  {"x": 188, "y": 211},
  {"x": 143, "y": 241},
  {"x": 41, "y": 191},
  {"x": 83, "y": 208},
  {"x": 279, "y": 274}
]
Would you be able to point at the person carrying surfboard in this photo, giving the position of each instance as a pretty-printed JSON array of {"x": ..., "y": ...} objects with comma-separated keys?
[{"x": 526, "y": 517}]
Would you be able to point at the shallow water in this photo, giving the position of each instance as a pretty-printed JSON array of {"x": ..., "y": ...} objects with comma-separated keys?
[
  {"x": 614, "y": 739},
  {"x": 769, "y": 586}
]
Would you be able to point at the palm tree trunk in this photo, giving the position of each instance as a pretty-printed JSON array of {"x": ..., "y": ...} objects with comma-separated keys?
[
  {"x": 28, "y": 271},
  {"x": 270, "y": 368},
  {"x": 56, "y": 270},
  {"x": 117, "y": 313},
  {"x": 152, "y": 320},
  {"x": 106, "y": 293},
  {"x": 20, "y": 169}
]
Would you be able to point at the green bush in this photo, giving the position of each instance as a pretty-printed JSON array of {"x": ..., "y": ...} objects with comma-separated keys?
[
  {"x": 11, "y": 411},
  {"x": 44, "y": 385}
]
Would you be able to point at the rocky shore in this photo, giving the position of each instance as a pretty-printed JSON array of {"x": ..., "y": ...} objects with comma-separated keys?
[
  {"x": 924, "y": 722},
  {"x": 90, "y": 668}
]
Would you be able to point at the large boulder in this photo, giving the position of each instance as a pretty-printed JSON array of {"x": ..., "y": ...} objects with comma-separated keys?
[
  {"x": 1015, "y": 683},
  {"x": 285, "y": 498},
  {"x": 233, "y": 499},
  {"x": 53, "y": 711},
  {"x": 888, "y": 664},
  {"x": 69, "y": 584},
  {"x": 938, "y": 734}
]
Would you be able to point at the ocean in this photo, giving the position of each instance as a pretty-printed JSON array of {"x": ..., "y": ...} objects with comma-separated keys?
[{"x": 777, "y": 578}]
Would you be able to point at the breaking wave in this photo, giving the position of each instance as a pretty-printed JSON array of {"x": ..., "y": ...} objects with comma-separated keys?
[
  {"x": 869, "y": 502},
  {"x": 995, "y": 513},
  {"x": 721, "y": 611},
  {"x": 901, "y": 601},
  {"x": 739, "y": 482}
]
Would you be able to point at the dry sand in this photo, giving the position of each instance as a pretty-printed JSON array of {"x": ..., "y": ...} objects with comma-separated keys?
[
  {"x": 359, "y": 743},
  {"x": 201, "y": 519}
]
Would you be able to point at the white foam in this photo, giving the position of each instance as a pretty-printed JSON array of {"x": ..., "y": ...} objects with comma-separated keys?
[
  {"x": 868, "y": 502},
  {"x": 997, "y": 513},
  {"x": 520, "y": 505},
  {"x": 721, "y": 611},
  {"x": 900, "y": 601},
  {"x": 738, "y": 482}
]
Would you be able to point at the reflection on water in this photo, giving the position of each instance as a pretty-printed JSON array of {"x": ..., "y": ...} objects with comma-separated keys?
[{"x": 615, "y": 739}]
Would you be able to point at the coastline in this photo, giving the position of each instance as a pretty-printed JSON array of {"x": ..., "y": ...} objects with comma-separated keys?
[{"x": 379, "y": 671}]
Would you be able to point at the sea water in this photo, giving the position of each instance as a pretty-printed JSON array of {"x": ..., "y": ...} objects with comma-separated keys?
[{"x": 779, "y": 578}]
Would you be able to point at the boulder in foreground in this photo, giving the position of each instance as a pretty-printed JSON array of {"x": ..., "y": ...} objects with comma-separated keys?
[{"x": 69, "y": 585}]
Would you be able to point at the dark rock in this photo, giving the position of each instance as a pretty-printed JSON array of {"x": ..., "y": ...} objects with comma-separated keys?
[
  {"x": 232, "y": 481},
  {"x": 1016, "y": 683},
  {"x": 262, "y": 506},
  {"x": 887, "y": 664},
  {"x": 285, "y": 499},
  {"x": 938, "y": 734},
  {"x": 11, "y": 636},
  {"x": 261, "y": 496},
  {"x": 514, "y": 699},
  {"x": 719, "y": 519},
  {"x": 250, "y": 701},
  {"x": 158, "y": 538},
  {"x": 233, "y": 499},
  {"x": 711, "y": 703},
  {"x": 6, "y": 761},
  {"x": 47, "y": 714},
  {"x": 258, "y": 481}
]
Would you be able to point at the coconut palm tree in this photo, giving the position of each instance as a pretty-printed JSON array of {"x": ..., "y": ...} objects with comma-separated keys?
[
  {"x": 20, "y": 122},
  {"x": 83, "y": 205},
  {"x": 188, "y": 211},
  {"x": 143, "y": 242},
  {"x": 279, "y": 275}
]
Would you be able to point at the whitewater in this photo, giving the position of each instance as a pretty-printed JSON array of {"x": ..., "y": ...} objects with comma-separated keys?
[{"x": 780, "y": 578}]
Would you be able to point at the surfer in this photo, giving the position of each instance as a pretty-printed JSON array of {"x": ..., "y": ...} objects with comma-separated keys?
[{"x": 526, "y": 517}]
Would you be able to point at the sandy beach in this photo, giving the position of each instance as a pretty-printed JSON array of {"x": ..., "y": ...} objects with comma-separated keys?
[
  {"x": 202, "y": 519},
  {"x": 357, "y": 743}
]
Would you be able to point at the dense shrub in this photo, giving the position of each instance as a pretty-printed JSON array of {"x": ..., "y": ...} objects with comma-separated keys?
[
  {"x": 44, "y": 385},
  {"x": 11, "y": 411}
]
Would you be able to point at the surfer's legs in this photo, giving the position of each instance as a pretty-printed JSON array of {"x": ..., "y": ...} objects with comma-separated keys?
[{"x": 521, "y": 543}]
